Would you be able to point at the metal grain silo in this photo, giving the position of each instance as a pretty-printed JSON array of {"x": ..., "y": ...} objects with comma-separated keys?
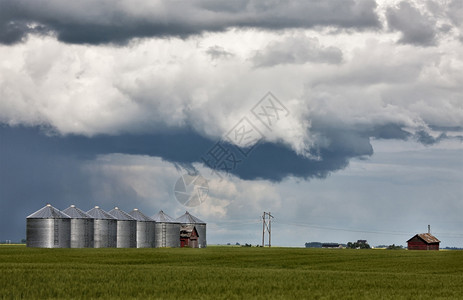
[
  {"x": 126, "y": 228},
  {"x": 104, "y": 228},
  {"x": 48, "y": 228},
  {"x": 167, "y": 233},
  {"x": 189, "y": 219},
  {"x": 82, "y": 228},
  {"x": 145, "y": 229}
]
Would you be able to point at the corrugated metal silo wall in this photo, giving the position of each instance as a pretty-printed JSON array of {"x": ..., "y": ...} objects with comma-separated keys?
[
  {"x": 82, "y": 232},
  {"x": 202, "y": 240},
  {"x": 146, "y": 234},
  {"x": 126, "y": 234},
  {"x": 48, "y": 233},
  {"x": 105, "y": 233},
  {"x": 167, "y": 235}
]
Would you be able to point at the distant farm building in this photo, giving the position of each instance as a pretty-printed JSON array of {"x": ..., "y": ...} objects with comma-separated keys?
[
  {"x": 189, "y": 236},
  {"x": 423, "y": 241}
]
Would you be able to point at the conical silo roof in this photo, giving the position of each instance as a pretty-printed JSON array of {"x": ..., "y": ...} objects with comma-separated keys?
[
  {"x": 120, "y": 214},
  {"x": 188, "y": 218},
  {"x": 139, "y": 216},
  {"x": 98, "y": 213},
  {"x": 48, "y": 212},
  {"x": 76, "y": 213},
  {"x": 162, "y": 217}
]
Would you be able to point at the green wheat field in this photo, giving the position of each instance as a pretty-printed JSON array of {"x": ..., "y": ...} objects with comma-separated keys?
[{"x": 229, "y": 273}]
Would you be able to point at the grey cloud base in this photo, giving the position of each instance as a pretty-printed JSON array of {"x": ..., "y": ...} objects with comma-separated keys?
[
  {"x": 37, "y": 169},
  {"x": 99, "y": 22}
]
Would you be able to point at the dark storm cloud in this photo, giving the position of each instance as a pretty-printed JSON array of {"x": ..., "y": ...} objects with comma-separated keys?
[
  {"x": 36, "y": 168},
  {"x": 425, "y": 138},
  {"x": 96, "y": 22},
  {"x": 416, "y": 27}
]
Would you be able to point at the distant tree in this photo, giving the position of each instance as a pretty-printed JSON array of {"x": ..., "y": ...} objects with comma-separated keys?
[
  {"x": 23, "y": 241},
  {"x": 394, "y": 247},
  {"x": 237, "y": 244},
  {"x": 358, "y": 245},
  {"x": 365, "y": 246},
  {"x": 313, "y": 245}
]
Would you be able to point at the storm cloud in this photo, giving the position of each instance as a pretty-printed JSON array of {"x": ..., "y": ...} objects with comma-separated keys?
[
  {"x": 96, "y": 22},
  {"x": 105, "y": 102}
]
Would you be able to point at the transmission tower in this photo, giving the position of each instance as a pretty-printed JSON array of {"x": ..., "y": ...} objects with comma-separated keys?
[{"x": 267, "y": 226}]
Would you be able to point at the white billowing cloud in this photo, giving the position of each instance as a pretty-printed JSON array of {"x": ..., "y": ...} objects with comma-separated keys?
[
  {"x": 209, "y": 82},
  {"x": 148, "y": 182},
  {"x": 296, "y": 49},
  {"x": 151, "y": 182},
  {"x": 148, "y": 86},
  {"x": 414, "y": 88}
]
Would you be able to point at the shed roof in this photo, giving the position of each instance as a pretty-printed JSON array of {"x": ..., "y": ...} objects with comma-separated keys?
[
  {"x": 76, "y": 213},
  {"x": 162, "y": 217},
  {"x": 187, "y": 231},
  {"x": 426, "y": 237},
  {"x": 188, "y": 218},
  {"x": 98, "y": 213},
  {"x": 48, "y": 212},
  {"x": 139, "y": 216},
  {"x": 120, "y": 214}
]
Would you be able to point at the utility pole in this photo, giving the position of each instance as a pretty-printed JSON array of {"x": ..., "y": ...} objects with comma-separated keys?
[{"x": 267, "y": 226}]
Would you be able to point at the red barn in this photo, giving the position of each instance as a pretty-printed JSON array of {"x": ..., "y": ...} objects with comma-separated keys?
[
  {"x": 189, "y": 237},
  {"x": 423, "y": 241}
]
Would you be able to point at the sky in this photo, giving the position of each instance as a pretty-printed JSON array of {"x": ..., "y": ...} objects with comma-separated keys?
[{"x": 344, "y": 119}]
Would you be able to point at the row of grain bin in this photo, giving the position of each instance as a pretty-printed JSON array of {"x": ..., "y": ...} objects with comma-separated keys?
[{"x": 96, "y": 228}]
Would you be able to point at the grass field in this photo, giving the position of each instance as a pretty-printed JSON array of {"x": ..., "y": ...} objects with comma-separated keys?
[{"x": 229, "y": 273}]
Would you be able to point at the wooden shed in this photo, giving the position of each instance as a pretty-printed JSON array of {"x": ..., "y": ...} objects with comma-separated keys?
[
  {"x": 189, "y": 236},
  {"x": 423, "y": 241}
]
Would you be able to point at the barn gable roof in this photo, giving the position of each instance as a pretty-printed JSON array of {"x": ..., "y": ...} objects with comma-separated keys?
[
  {"x": 187, "y": 231},
  {"x": 426, "y": 237}
]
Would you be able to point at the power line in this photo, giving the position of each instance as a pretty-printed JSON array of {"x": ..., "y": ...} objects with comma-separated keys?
[
  {"x": 254, "y": 221},
  {"x": 301, "y": 224}
]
